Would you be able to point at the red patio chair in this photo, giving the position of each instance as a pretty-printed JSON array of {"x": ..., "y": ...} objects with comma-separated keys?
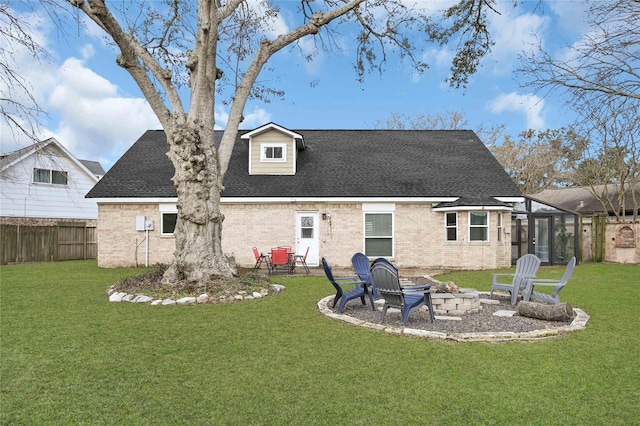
[
  {"x": 259, "y": 259},
  {"x": 281, "y": 259},
  {"x": 302, "y": 260}
]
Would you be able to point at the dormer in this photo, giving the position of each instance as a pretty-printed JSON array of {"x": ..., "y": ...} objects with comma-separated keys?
[{"x": 273, "y": 150}]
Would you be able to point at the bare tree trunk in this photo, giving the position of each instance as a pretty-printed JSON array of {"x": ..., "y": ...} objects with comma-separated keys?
[{"x": 198, "y": 256}]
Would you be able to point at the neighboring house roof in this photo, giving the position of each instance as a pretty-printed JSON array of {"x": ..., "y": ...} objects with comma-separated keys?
[
  {"x": 334, "y": 164},
  {"x": 92, "y": 168},
  {"x": 581, "y": 199}
]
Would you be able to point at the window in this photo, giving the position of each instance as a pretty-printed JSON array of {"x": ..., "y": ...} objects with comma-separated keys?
[
  {"x": 273, "y": 152},
  {"x": 451, "y": 226},
  {"x": 500, "y": 227},
  {"x": 478, "y": 226},
  {"x": 378, "y": 234},
  {"x": 169, "y": 223},
  {"x": 306, "y": 227},
  {"x": 55, "y": 177}
]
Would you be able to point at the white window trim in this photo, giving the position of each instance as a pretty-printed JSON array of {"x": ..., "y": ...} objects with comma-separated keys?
[
  {"x": 479, "y": 226},
  {"x": 447, "y": 227},
  {"x": 166, "y": 208},
  {"x": 500, "y": 228},
  {"x": 384, "y": 210},
  {"x": 50, "y": 182},
  {"x": 162, "y": 232},
  {"x": 263, "y": 148}
]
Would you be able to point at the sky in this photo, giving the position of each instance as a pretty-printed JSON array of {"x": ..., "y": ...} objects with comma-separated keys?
[{"x": 96, "y": 111}]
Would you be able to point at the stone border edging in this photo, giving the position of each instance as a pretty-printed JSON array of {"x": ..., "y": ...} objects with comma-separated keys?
[
  {"x": 117, "y": 297},
  {"x": 579, "y": 323}
]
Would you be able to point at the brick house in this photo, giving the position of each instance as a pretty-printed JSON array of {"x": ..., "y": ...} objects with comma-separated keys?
[{"x": 434, "y": 199}]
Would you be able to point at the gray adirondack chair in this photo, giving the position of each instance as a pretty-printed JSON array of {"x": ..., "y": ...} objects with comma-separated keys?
[
  {"x": 526, "y": 268},
  {"x": 531, "y": 294},
  {"x": 385, "y": 279},
  {"x": 360, "y": 289}
]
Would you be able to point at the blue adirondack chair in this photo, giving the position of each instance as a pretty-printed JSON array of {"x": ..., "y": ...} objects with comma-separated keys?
[
  {"x": 362, "y": 267},
  {"x": 386, "y": 280},
  {"x": 557, "y": 285},
  {"x": 360, "y": 290},
  {"x": 526, "y": 269}
]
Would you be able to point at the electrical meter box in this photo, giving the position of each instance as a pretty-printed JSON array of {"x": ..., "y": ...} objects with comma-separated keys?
[
  {"x": 140, "y": 223},
  {"x": 148, "y": 225}
]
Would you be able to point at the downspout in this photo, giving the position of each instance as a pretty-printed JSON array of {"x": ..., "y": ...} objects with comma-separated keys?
[{"x": 146, "y": 249}]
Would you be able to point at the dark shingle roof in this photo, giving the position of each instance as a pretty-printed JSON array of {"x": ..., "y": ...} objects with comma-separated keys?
[
  {"x": 335, "y": 163},
  {"x": 94, "y": 167}
]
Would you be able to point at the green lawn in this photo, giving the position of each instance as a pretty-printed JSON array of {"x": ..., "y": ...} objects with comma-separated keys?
[{"x": 68, "y": 356}]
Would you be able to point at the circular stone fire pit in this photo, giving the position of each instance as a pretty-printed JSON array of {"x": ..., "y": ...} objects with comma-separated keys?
[{"x": 467, "y": 301}]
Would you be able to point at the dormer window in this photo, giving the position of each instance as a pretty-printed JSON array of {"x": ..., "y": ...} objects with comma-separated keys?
[{"x": 273, "y": 152}]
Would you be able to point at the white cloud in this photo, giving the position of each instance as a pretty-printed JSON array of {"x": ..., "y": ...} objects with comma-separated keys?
[
  {"x": 221, "y": 116},
  {"x": 85, "y": 111},
  {"x": 95, "y": 122},
  {"x": 529, "y": 105},
  {"x": 513, "y": 32},
  {"x": 571, "y": 15},
  {"x": 256, "y": 118}
]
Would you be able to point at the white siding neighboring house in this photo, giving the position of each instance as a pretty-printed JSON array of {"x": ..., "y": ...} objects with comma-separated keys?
[{"x": 45, "y": 181}]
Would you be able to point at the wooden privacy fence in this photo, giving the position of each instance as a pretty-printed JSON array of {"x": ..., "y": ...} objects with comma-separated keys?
[{"x": 66, "y": 241}]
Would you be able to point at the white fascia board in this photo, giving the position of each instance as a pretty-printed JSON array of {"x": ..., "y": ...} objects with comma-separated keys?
[
  {"x": 280, "y": 200},
  {"x": 271, "y": 200},
  {"x": 269, "y": 126},
  {"x": 135, "y": 200},
  {"x": 472, "y": 208},
  {"x": 510, "y": 199}
]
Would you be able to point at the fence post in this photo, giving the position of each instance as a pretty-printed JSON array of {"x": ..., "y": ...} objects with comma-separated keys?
[{"x": 599, "y": 224}]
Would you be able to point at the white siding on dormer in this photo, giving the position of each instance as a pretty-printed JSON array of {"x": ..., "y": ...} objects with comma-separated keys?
[
  {"x": 258, "y": 166},
  {"x": 21, "y": 197}
]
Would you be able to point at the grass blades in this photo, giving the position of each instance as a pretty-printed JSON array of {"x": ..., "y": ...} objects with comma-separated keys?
[{"x": 68, "y": 356}]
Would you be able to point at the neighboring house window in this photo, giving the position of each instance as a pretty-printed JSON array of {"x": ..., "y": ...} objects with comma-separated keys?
[
  {"x": 378, "y": 234},
  {"x": 55, "y": 177},
  {"x": 273, "y": 152},
  {"x": 169, "y": 223},
  {"x": 451, "y": 226},
  {"x": 478, "y": 226},
  {"x": 500, "y": 227}
]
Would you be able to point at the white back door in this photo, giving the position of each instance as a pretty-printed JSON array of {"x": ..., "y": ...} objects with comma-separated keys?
[{"x": 307, "y": 236}]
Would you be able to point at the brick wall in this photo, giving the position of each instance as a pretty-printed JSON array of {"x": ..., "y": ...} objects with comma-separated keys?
[
  {"x": 120, "y": 245},
  {"x": 614, "y": 252},
  {"x": 419, "y": 235}
]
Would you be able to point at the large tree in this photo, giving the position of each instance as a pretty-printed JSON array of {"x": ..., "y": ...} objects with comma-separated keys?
[
  {"x": 18, "y": 108},
  {"x": 449, "y": 120},
  {"x": 604, "y": 64},
  {"x": 224, "y": 45},
  {"x": 601, "y": 75},
  {"x": 541, "y": 160},
  {"x": 611, "y": 167}
]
